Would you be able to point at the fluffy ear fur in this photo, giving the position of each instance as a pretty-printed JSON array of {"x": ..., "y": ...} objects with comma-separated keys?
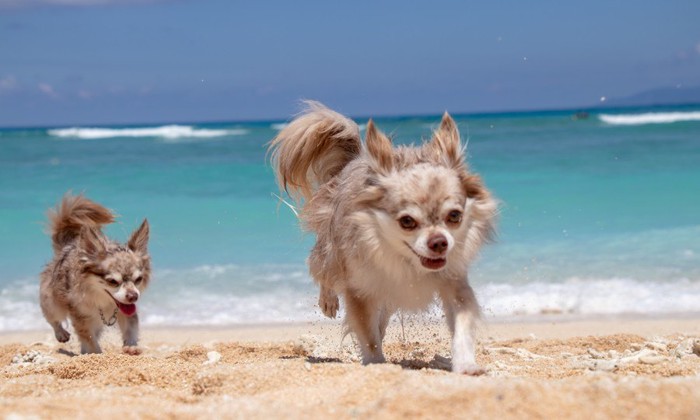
[
  {"x": 474, "y": 187},
  {"x": 138, "y": 241},
  {"x": 446, "y": 144},
  {"x": 90, "y": 241},
  {"x": 379, "y": 148}
]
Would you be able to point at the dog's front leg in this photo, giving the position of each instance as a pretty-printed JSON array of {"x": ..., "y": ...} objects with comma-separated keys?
[
  {"x": 61, "y": 334},
  {"x": 54, "y": 315},
  {"x": 88, "y": 331},
  {"x": 461, "y": 311},
  {"x": 328, "y": 302},
  {"x": 363, "y": 318},
  {"x": 129, "y": 326}
]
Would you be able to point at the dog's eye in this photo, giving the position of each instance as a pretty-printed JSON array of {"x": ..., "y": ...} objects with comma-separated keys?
[
  {"x": 112, "y": 282},
  {"x": 138, "y": 280},
  {"x": 455, "y": 216},
  {"x": 408, "y": 222}
]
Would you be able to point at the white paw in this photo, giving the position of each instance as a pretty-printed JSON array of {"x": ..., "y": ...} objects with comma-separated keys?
[{"x": 471, "y": 369}]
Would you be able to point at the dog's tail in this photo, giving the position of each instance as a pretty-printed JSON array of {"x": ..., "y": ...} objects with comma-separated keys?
[
  {"x": 312, "y": 149},
  {"x": 71, "y": 214}
]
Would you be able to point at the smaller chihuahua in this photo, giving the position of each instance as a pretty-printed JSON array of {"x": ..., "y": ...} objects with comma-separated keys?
[{"x": 93, "y": 280}]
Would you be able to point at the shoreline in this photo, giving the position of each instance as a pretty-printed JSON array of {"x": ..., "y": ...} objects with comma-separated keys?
[{"x": 544, "y": 326}]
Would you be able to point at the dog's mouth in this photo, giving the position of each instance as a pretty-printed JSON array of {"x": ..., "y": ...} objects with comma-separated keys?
[
  {"x": 433, "y": 263},
  {"x": 429, "y": 263},
  {"x": 127, "y": 309}
]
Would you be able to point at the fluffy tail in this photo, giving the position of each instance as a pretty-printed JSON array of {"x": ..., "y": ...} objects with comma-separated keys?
[
  {"x": 71, "y": 214},
  {"x": 312, "y": 149}
]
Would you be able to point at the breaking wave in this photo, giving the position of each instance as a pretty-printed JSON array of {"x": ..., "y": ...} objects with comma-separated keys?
[
  {"x": 221, "y": 295},
  {"x": 168, "y": 132},
  {"x": 649, "y": 118}
]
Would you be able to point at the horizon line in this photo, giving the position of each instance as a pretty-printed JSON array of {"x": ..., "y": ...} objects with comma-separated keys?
[{"x": 389, "y": 116}]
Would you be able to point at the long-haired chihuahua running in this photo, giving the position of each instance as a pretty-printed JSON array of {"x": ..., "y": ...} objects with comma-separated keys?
[
  {"x": 394, "y": 226},
  {"x": 93, "y": 280}
]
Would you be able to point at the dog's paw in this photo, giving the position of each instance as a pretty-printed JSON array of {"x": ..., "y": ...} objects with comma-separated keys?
[
  {"x": 371, "y": 359},
  {"x": 330, "y": 307},
  {"x": 470, "y": 369},
  {"x": 62, "y": 335},
  {"x": 328, "y": 302},
  {"x": 132, "y": 350}
]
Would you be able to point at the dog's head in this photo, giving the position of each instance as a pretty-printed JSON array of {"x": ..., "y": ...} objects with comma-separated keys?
[
  {"x": 425, "y": 203},
  {"x": 121, "y": 272}
]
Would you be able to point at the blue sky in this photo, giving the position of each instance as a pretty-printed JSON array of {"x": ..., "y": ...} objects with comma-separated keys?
[{"x": 65, "y": 62}]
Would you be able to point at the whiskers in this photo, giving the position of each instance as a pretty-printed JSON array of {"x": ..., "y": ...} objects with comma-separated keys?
[{"x": 288, "y": 204}]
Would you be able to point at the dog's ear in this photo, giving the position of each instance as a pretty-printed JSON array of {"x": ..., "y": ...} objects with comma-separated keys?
[
  {"x": 474, "y": 187},
  {"x": 445, "y": 142},
  {"x": 379, "y": 147},
  {"x": 90, "y": 241},
  {"x": 138, "y": 242}
]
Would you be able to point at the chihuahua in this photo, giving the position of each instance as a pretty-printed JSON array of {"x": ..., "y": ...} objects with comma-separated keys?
[
  {"x": 395, "y": 226},
  {"x": 92, "y": 279}
]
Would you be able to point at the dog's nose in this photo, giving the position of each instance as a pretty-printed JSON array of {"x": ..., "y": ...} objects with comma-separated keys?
[
  {"x": 437, "y": 243},
  {"x": 132, "y": 296}
]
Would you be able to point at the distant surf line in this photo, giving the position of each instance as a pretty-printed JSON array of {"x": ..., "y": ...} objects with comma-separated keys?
[
  {"x": 649, "y": 118},
  {"x": 168, "y": 132}
]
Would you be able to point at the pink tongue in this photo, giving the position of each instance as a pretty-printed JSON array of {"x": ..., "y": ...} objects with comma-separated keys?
[{"x": 127, "y": 310}]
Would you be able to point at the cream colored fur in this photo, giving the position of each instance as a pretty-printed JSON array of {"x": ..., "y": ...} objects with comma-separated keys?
[{"x": 395, "y": 227}]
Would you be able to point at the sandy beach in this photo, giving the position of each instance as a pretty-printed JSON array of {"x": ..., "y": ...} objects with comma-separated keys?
[{"x": 543, "y": 367}]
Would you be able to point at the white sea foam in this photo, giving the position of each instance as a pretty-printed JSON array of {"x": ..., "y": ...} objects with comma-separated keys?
[
  {"x": 19, "y": 306},
  {"x": 209, "y": 308},
  {"x": 230, "y": 294},
  {"x": 590, "y": 297},
  {"x": 168, "y": 132},
  {"x": 649, "y": 118}
]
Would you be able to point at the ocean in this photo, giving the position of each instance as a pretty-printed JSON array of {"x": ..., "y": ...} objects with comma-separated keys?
[{"x": 599, "y": 215}]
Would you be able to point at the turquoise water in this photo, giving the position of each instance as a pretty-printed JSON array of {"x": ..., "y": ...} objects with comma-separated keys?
[{"x": 598, "y": 215}]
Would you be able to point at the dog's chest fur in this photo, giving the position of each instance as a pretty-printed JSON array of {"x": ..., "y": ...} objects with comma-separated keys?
[{"x": 396, "y": 285}]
